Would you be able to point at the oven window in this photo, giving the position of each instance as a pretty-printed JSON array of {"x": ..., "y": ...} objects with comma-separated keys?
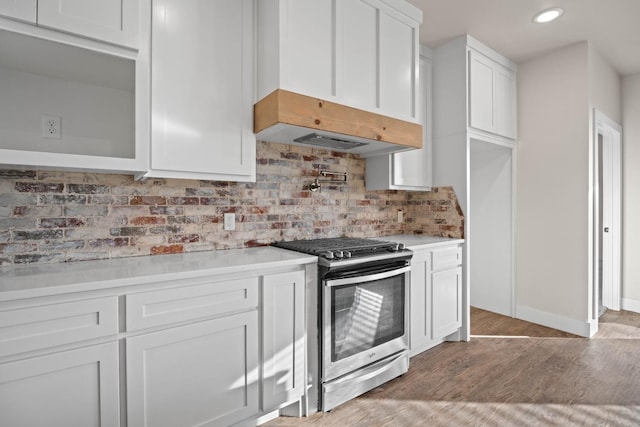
[{"x": 364, "y": 316}]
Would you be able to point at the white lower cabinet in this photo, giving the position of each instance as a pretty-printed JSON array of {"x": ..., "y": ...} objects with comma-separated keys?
[
  {"x": 420, "y": 337},
  {"x": 75, "y": 388},
  {"x": 203, "y": 374},
  {"x": 215, "y": 349},
  {"x": 59, "y": 363},
  {"x": 283, "y": 337},
  {"x": 436, "y": 296}
]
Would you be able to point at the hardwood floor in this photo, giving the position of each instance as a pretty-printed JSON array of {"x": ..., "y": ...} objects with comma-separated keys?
[{"x": 511, "y": 373}]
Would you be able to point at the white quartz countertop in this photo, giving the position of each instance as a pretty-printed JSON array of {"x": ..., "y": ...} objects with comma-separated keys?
[
  {"x": 47, "y": 279},
  {"x": 418, "y": 241}
]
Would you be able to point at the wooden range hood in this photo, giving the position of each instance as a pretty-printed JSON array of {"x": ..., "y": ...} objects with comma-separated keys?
[{"x": 284, "y": 116}]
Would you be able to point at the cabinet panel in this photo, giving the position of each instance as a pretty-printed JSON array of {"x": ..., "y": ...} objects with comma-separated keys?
[
  {"x": 413, "y": 168},
  {"x": 446, "y": 286},
  {"x": 147, "y": 309},
  {"x": 409, "y": 170},
  {"x": 358, "y": 53},
  {"x": 420, "y": 330},
  {"x": 397, "y": 67},
  {"x": 77, "y": 388},
  {"x": 202, "y": 116},
  {"x": 113, "y": 21},
  {"x": 45, "y": 326},
  {"x": 308, "y": 48},
  {"x": 24, "y": 10},
  {"x": 481, "y": 92},
  {"x": 283, "y": 338},
  {"x": 444, "y": 258},
  {"x": 204, "y": 374},
  {"x": 505, "y": 102}
]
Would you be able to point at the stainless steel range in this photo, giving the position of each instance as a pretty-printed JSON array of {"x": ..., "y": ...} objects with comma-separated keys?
[{"x": 362, "y": 305}]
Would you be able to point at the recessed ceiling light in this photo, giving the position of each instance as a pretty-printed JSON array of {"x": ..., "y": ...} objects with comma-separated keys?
[{"x": 547, "y": 15}]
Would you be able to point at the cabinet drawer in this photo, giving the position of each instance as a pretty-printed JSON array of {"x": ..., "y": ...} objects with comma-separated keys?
[
  {"x": 156, "y": 308},
  {"x": 35, "y": 328},
  {"x": 445, "y": 258}
]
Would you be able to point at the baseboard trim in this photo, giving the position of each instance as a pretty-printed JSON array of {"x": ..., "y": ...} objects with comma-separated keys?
[
  {"x": 552, "y": 320},
  {"x": 631, "y": 305}
]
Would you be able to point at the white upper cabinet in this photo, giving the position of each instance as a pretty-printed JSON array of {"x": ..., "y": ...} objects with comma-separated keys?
[
  {"x": 92, "y": 97},
  {"x": 409, "y": 170},
  {"x": 202, "y": 91},
  {"x": 309, "y": 45},
  {"x": 492, "y": 95},
  {"x": 358, "y": 53},
  {"x": 112, "y": 21},
  {"x": 398, "y": 70},
  {"x": 505, "y": 104},
  {"x": 23, "y": 10},
  {"x": 54, "y": 71}
]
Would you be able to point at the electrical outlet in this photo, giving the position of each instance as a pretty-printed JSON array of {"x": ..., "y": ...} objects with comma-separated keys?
[
  {"x": 400, "y": 215},
  {"x": 229, "y": 221},
  {"x": 51, "y": 127}
]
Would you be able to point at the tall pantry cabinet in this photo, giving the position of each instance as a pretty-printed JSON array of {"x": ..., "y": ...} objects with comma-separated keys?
[{"x": 474, "y": 92}]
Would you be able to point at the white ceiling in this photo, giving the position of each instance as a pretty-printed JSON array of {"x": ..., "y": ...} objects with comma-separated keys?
[{"x": 612, "y": 27}]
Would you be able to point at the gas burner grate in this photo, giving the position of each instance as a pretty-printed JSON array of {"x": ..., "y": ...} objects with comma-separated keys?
[{"x": 352, "y": 244}]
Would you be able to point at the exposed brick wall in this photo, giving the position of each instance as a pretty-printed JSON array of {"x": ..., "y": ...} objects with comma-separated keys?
[
  {"x": 435, "y": 213},
  {"x": 50, "y": 216}
]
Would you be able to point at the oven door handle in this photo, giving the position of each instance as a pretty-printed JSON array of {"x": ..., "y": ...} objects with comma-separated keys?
[{"x": 367, "y": 278}]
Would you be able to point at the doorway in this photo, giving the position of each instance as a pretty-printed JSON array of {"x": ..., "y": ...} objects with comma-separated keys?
[
  {"x": 490, "y": 227},
  {"x": 608, "y": 215}
]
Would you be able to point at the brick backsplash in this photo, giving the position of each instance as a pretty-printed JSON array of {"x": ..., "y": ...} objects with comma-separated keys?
[{"x": 51, "y": 217}]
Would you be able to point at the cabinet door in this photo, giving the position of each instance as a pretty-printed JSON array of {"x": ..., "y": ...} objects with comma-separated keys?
[
  {"x": 24, "y": 10},
  {"x": 446, "y": 309},
  {"x": 112, "y": 21},
  {"x": 283, "y": 339},
  {"x": 308, "y": 48},
  {"x": 420, "y": 326},
  {"x": 204, "y": 374},
  {"x": 76, "y": 388},
  {"x": 202, "y": 89},
  {"x": 412, "y": 169},
  {"x": 481, "y": 92},
  {"x": 357, "y": 34},
  {"x": 398, "y": 67},
  {"x": 505, "y": 102}
]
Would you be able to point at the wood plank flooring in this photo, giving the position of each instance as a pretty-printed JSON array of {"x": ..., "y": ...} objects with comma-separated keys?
[{"x": 511, "y": 373}]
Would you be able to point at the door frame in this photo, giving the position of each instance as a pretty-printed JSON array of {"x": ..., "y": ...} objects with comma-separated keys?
[{"x": 602, "y": 125}]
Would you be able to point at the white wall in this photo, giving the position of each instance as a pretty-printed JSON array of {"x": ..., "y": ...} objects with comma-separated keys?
[
  {"x": 605, "y": 96},
  {"x": 604, "y": 87},
  {"x": 556, "y": 97},
  {"x": 631, "y": 196},
  {"x": 552, "y": 262}
]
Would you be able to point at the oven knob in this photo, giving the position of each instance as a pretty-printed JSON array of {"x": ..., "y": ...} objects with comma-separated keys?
[
  {"x": 401, "y": 247},
  {"x": 347, "y": 254},
  {"x": 328, "y": 255},
  {"x": 339, "y": 254}
]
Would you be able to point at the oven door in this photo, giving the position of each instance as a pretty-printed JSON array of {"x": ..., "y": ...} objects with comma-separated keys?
[{"x": 364, "y": 319}]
